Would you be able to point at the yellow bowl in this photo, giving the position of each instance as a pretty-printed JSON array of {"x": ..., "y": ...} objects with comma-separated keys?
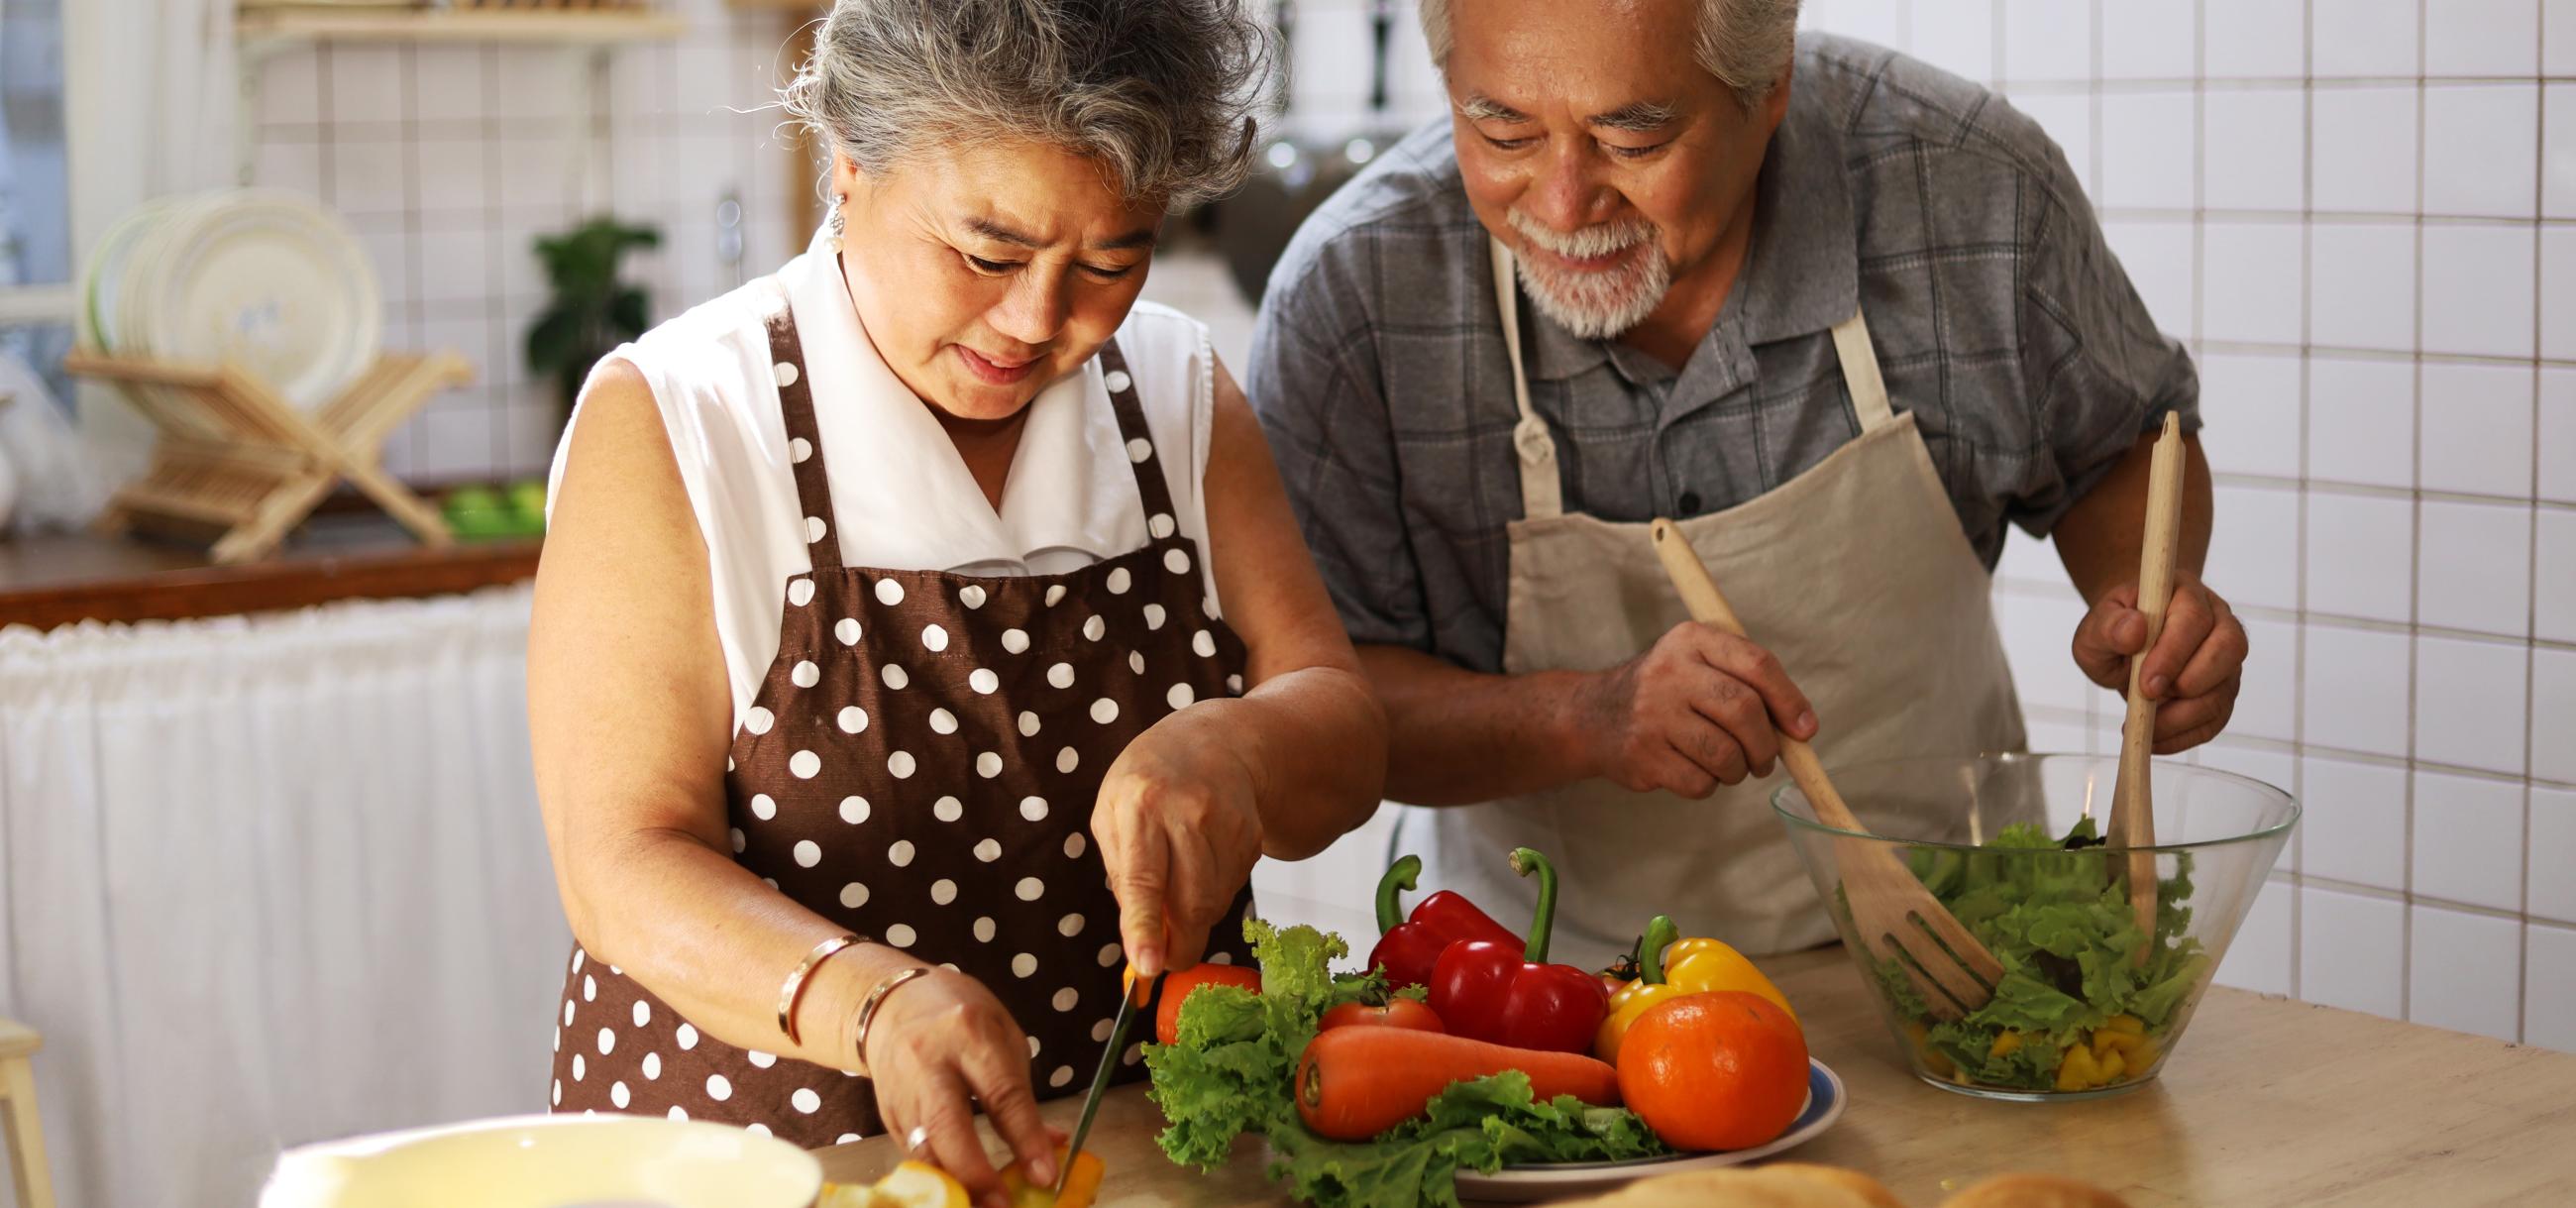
[{"x": 549, "y": 1162}]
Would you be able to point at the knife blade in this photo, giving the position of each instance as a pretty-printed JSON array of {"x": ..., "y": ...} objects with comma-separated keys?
[{"x": 1130, "y": 1004}]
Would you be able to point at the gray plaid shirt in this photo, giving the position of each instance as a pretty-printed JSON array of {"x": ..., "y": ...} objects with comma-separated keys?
[{"x": 2001, "y": 320}]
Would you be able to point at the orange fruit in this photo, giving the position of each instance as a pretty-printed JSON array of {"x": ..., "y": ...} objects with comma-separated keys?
[
  {"x": 1079, "y": 1187},
  {"x": 1721, "y": 1070}
]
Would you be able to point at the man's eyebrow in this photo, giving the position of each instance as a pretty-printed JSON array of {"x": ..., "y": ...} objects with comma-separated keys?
[
  {"x": 1641, "y": 116},
  {"x": 1481, "y": 108}
]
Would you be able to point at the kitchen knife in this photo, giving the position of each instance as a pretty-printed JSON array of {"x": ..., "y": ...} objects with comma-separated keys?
[{"x": 1130, "y": 1004}]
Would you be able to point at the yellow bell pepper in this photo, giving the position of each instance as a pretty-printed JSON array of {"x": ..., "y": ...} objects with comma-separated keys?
[
  {"x": 1702, "y": 965},
  {"x": 1692, "y": 966}
]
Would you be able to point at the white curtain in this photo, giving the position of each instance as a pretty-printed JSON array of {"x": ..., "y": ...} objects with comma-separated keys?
[
  {"x": 269, "y": 880},
  {"x": 153, "y": 106}
]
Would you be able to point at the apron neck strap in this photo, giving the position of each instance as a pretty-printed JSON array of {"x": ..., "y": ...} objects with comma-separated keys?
[
  {"x": 1144, "y": 457},
  {"x": 1860, "y": 373},
  {"x": 1542, "y": 494},
  {"x": 804, "y": 439}
]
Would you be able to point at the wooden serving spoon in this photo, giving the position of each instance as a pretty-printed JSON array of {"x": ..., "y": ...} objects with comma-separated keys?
[
  {"x": 1894, "y": 916},
  {"x": 2133, "y": 816}
]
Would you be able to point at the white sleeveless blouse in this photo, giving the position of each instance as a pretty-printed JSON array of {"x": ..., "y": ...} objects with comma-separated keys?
[{"x": 901, "y": 496}]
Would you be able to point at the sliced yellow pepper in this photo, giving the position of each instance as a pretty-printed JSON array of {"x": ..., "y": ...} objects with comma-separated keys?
[
  {"x": 1933, "y": 1059},
  {"x": 2005, "y": 1045},
  {"x": 2078, "y": 1072},
  {"x": 1693, "y": 966},
  {"x": 2130, "y": 1024}
]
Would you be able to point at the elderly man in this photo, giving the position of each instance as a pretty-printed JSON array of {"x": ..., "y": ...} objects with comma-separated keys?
[{"x": 1839, "y": 313}]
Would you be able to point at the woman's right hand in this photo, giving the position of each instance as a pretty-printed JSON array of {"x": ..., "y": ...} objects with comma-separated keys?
[{"x": 937, "y": 1041}]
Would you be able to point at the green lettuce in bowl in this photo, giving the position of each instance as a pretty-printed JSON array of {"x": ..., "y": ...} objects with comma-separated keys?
[{"x": 2089, "y": 1003}]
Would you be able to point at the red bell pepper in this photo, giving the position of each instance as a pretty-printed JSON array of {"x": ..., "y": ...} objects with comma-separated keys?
[
  {"x": 1508, "y": 993},
  {"x": 1407, "y": 949}
]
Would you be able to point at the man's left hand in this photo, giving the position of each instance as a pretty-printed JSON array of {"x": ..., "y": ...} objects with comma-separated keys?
[{"x": 2192, "y": 674}]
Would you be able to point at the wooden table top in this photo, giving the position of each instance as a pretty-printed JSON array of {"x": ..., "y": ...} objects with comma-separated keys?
[
  {"x": 59, "y": 579},
  {"x": 2264, "y": 1102}
]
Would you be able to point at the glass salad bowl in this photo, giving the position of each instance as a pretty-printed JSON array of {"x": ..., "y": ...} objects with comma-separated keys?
[{"x": 2005, "y": 842}]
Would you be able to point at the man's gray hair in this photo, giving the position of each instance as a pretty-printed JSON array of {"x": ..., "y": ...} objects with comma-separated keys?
[
  {"x": 1160, "y": 93},
  {"x": 1746, "y": 44}
]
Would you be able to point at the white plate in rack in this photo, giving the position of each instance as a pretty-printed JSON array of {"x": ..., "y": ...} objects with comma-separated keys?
[{"x": 264, "y": 279}]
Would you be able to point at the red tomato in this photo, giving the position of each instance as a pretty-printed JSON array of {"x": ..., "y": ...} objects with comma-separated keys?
[
  {"x": 1178, "y": 984},
  {"x": 1397, "y": 1013}
]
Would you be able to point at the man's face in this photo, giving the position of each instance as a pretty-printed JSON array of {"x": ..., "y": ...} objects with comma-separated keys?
[{"x": 1596, "y": 147}]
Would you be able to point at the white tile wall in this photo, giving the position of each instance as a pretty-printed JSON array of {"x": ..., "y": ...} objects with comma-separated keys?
[
  {"x": 2352, "y": 951},
  {"x": 2463, "y": 972},
  {"x": 2549, "y": 982}
]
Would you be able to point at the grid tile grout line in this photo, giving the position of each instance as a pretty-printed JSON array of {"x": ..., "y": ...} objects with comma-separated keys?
[
  {"x": 2415, "y": 575},
  {"x": 2531, "y": 660}
]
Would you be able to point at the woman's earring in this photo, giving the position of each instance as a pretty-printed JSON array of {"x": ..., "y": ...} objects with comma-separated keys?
[{"x": 838, "y": 223}]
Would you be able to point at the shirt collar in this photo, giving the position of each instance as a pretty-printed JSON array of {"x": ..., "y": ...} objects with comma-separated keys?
[
  {"x": 900, "y": 492},
  {"x": 1801, "y": 270}
]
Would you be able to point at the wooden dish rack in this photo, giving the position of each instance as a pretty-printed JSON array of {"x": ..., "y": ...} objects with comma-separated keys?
[{"x": 237, "y": 467}]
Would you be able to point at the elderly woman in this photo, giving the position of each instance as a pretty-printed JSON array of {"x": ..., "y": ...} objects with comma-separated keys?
[{"x": 924, "y": 628}]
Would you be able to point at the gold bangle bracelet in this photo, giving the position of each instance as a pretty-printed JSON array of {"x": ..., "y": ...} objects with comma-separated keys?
[
  {"x": 868, "y": 1011},
  {"x": 795, "y": 986}
]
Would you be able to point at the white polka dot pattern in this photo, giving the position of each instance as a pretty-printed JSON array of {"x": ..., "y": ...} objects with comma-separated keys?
[
  {"x": 948, "y": 809},
  {"x": 1117, "y": 381}
]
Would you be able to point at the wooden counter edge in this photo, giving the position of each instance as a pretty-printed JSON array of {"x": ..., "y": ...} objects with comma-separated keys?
[{"x": 275, "y": 585}]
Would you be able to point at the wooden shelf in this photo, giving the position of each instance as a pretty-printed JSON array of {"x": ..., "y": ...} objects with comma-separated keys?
[{"x": 336, "y": 23}]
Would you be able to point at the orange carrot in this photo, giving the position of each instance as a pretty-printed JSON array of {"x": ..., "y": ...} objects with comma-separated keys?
[{"x": 1354, "y": 1083}]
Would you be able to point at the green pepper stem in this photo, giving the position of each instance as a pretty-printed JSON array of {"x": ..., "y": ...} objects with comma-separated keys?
[
  {"x": 1542, "y": 919},
  {"x": 1399, "y": 876},
  {"x": 1650, "y": 951}
]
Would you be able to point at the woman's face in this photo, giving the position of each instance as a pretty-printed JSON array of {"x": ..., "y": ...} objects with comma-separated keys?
[{"x": 985, "y": 272}]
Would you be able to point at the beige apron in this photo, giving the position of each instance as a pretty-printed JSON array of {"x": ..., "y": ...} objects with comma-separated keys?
[{"x": 1854, "y": 573}]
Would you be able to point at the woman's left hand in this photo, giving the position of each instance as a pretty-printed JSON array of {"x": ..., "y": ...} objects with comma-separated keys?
[{"x": 1179, "y": 826}]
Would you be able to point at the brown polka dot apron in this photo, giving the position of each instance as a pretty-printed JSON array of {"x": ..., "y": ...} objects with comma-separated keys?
[{"x": 918, "y": 767}]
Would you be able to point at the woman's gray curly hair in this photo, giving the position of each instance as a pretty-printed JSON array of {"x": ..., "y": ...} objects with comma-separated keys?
[
  {"x": 1161, "y": 93},
  {"x": 1746, "y": 44}
]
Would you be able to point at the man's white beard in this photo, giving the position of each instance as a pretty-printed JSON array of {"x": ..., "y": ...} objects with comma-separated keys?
[{"x": 1600, "y": 304}]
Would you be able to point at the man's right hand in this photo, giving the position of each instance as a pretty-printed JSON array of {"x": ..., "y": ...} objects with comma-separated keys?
[{"x": 1700, "y": 709}]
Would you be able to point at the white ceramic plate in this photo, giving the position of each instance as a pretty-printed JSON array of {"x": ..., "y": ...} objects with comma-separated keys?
[
  {"x": 264, "y": 279},
  {"x": 550, "y": 1162},
  {"x": 1556, "y": 1180},
  {"x": 103, "y": 283}
]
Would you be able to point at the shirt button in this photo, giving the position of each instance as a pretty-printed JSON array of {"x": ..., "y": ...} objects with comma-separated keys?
[{"x": 1690, "y": 503}]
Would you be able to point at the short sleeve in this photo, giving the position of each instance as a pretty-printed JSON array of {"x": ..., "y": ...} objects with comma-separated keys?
[
  {"x": 2101, "y": 374},
  {"x": 1314, "y": 382}
]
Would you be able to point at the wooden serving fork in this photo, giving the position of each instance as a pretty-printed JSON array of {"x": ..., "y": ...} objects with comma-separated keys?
[{"x": 1893, "y": 915}]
